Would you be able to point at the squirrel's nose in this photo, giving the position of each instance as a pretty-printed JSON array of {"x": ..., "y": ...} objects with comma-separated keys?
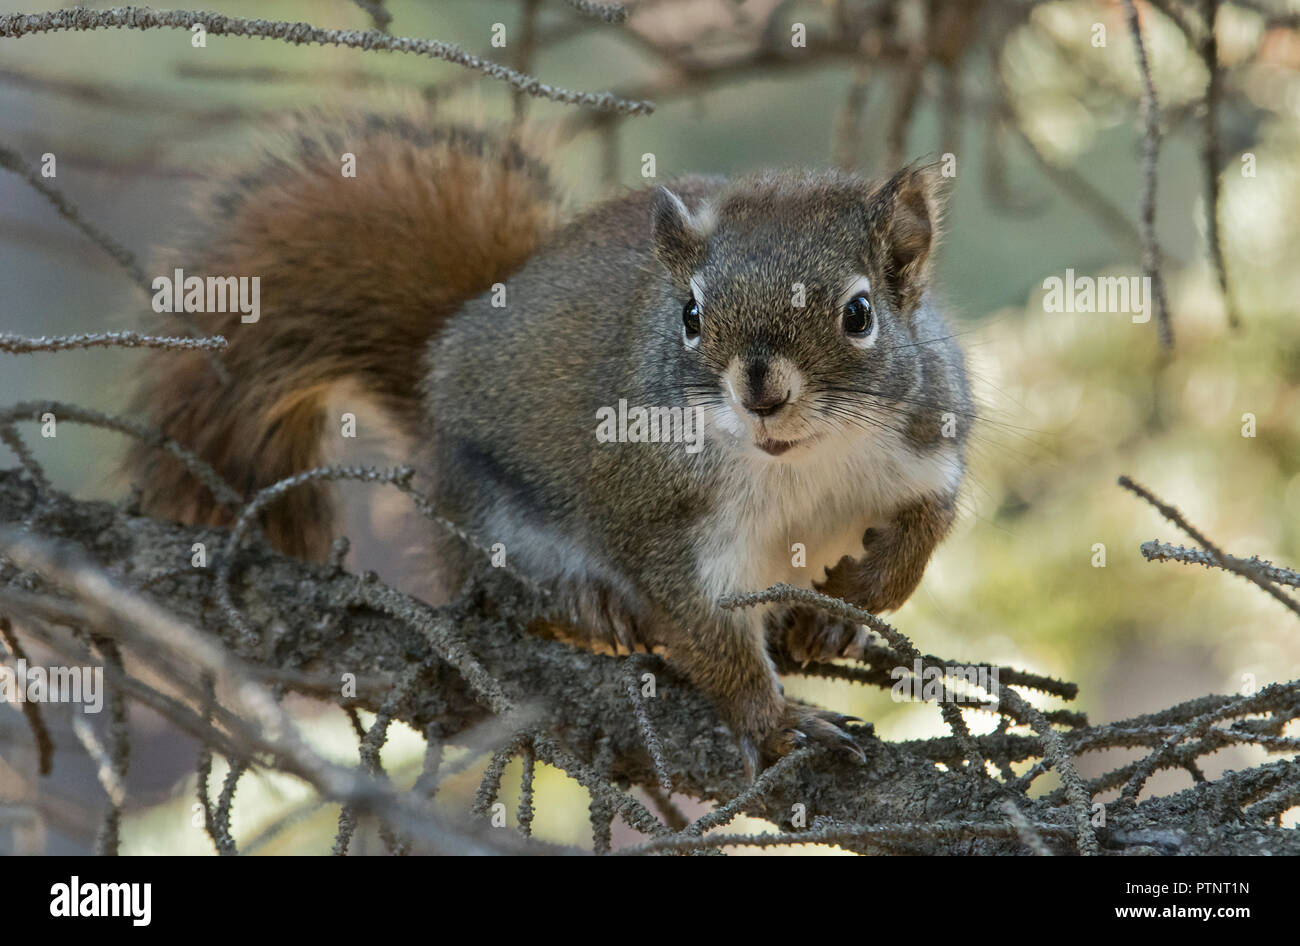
[
  {"x": 765, "y": 405},
  {"x": 757, "y": 400}
]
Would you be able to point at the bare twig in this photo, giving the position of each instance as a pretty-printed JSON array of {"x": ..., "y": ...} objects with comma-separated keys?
[
  {"x": 1167, "y": 552},
  {"x": 19, "y": 345},
  {"x": 377, "y": 12},
  {"x": 1209, "y": 50},
  {"x": 652, "y": 742},
  {"x": 1242, "y": 567},
  {"x": 609, "y": 12},
  {"x": 31, "y": 710},
  {"x": 298, "y": 34},
  {"x": 35, "y": 410},
  {"x": 871, "y": 835},
  {"x": 12, "y": 161},
  {"x": 1150, "y": 157}
]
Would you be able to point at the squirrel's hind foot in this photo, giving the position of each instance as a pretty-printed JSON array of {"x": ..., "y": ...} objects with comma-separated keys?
[{"x": 801, "y": 725}]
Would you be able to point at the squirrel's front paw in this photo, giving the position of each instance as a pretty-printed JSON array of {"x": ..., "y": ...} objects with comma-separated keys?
[
  {"x": 805, "y": 634},
  {"x": 882, "y": 579},
  {"x": 800, "y": 725}
]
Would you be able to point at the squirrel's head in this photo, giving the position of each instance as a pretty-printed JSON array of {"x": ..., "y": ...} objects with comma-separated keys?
[{"x": 790, "y": 301}]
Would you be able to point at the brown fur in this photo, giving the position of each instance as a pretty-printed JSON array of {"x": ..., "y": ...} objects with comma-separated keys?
[
  {"x": 357, "y": 274},
  {"x": 620, "y": 533},
  {"x": 896, "y": 556},
  {"x": 380, "y": 281}
]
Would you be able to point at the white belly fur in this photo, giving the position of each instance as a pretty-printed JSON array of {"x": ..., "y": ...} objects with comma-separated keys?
[{"x": 825, "y": 499}]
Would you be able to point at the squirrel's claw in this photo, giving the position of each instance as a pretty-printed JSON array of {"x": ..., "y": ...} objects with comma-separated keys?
[
  {"x": 804, "y": 725},
  {"x": 839, "y": 719},
  {"x": 807, "y": 635},
  {"x": 850, "y": 745}
]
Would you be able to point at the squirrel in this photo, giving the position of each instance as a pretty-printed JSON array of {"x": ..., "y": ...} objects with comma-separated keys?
[{"x": 791, "y": 310}]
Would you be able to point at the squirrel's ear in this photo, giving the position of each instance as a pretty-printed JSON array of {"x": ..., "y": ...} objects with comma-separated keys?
[
  {"x": 904, "y": 223},
  {"x": 679, "y": 235}
]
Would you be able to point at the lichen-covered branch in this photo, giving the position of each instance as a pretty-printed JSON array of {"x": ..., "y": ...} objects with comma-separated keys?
[{"x": 590, "y": 730}]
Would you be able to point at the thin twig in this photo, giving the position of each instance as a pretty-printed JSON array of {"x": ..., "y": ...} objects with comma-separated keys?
[
  {"x": 1168, "y": 552},
  {"x": 10, "y": 437},
  {"x": 35, "y": 410},
  {"x": 20, "y": 345},
  {"x": 298, "y": 34},
  {"x": 609, "y": 12},
  {"x": 1238, "y": 566},
  {"x": 1150, "y": 157},
  {"x": 653, "y": 743},
  {"x": 31, "y": 710},
  {"x": 840, "y": 834},
  {"x": 1209, "y": 50},
  {"x": 11, "y": 160}
]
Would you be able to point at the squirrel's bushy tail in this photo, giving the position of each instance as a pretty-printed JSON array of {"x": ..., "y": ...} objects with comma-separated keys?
[{"x": 356, "y": 275}]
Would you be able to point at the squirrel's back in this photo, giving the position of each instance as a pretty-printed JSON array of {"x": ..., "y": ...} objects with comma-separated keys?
[{"x": 356, "y": 274}]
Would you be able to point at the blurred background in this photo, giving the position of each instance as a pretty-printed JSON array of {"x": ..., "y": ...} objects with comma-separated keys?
[{"x": 1042, "y": 122}]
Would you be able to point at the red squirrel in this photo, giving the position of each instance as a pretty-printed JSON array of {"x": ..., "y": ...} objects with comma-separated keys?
[{"x": 790, "y": 311}]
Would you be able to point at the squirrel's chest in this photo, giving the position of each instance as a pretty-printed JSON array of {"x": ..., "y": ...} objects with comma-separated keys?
[
  {"x": 778, "y": 535},
  {"x": 786, "y": 523}
]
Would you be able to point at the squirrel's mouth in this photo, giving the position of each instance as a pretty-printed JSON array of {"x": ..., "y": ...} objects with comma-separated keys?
[{"x": 776, "y": 447}]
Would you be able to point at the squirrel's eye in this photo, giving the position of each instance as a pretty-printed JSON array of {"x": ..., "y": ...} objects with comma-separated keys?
[
  {"x": 858, "y": 316},
  {"x": 691, "y": 319}
]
